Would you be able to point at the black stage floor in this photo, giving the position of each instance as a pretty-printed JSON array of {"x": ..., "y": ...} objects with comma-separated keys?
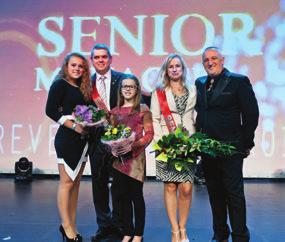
[{"x": 29, "y": 212}]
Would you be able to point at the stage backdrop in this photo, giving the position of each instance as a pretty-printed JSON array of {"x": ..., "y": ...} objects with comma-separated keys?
[{"x": 36, "y": 35}]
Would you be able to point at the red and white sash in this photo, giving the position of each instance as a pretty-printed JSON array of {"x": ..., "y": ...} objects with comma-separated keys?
[
  {"x": 165, "y": 110},
  {"x": 98, "y": 100}
]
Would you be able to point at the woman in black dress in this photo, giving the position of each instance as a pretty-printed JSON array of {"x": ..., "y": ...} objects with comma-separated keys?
[{"x": 71, "y": 87}]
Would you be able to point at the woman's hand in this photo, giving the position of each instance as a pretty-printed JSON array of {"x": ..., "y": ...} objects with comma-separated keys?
[
  {"x": 124, "y": 149},
  {"x": 81, "y": 129},
  {"x": 121, "y": 150}
]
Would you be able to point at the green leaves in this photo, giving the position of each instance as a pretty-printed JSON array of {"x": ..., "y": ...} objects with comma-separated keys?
[
  {"x": 178, "y": 166},
  {"x": 156, "y": 147},
  {"x": 181, "y": 150},
  {"x": 162, "y": 157},
  {"x": 115, "y": 133}
]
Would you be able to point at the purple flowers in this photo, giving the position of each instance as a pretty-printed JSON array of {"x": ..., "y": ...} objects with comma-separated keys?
[
  {"x": 80, "y": 113},
  {"x": 88, "y": 114}
]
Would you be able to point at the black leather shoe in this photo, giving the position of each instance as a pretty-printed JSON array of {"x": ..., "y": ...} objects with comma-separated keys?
[
  {"x": 117, "y": 232},
  {"x": 101, "y": 234}
]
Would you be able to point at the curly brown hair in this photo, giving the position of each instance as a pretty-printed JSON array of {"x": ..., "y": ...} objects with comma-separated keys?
[{"x": 84, "y": 82}]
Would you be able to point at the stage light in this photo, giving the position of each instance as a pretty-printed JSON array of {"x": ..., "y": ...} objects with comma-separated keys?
[{"x": 23, "y": 170}]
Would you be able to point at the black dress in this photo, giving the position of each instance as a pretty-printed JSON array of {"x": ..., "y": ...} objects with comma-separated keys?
[{"x": 70, "y": 146}]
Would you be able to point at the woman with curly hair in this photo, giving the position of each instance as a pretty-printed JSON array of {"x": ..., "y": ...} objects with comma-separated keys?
[{"x": 71, "y": 87}]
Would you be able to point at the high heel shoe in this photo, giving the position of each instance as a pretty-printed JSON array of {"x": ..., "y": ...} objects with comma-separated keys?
[
  {"x": 184, "y": 232},
  {"x": 176, "y": 235},
  {"x": 141, "y": 237},
  {"x": 78, "y": 237},
  {"x": 130, "y": 239},
  {"x": 61, "y": 230}
]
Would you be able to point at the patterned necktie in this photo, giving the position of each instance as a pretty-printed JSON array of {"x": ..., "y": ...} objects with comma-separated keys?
[
  {"x": 211, "y": 83},
  {"x": 102, "y": 89}
]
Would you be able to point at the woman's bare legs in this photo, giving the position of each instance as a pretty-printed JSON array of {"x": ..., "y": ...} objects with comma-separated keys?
[
  {"x": 74, "y": 197},
  {"x": 170, "y": 200},
  {"x": 184, "y": 204},
  {"x": 67, "y": 192}
]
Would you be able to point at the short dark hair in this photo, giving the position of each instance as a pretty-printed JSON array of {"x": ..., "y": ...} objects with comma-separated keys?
[{"x": 100, "y": 46}]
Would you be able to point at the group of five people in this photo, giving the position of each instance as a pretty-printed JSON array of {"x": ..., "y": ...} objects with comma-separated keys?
[{"x": 226, "y": 110}]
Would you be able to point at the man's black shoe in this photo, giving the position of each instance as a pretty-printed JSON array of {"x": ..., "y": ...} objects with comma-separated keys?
[
  {"x": 101, "y": 234},
  {"x": 117, "y": 232},
  {"x": 199, "y": 180},
  {"x": 223, "y": 240}
]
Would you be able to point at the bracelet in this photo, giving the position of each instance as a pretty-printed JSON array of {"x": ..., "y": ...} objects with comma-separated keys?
[{"x": 73, "y": 127}]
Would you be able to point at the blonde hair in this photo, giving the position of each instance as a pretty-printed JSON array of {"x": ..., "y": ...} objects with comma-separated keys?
[{"x": 163, "y": 78}]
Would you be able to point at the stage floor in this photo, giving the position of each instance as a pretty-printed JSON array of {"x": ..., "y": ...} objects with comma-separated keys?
[{"x": 29, "y": 212}]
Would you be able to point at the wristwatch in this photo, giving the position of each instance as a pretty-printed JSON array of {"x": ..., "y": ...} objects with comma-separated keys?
[{"x": 73, "y": 127}]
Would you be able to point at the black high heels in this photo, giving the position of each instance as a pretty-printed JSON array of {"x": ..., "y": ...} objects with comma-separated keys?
[
  {"x": 61, "y": 230},
  {"x": 78, "y": 237}
]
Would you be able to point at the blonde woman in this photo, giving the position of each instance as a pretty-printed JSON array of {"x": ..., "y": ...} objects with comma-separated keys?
[{"x": 172, "y": 104}]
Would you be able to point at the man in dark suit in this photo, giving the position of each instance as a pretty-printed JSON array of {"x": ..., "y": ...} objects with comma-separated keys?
[
  {"x": 106, "y": 81},
  {"x": 227, "y": 110}
]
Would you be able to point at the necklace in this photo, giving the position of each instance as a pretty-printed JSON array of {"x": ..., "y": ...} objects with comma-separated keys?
[
  {"x": 71, "y": 83},
  {"x": 179, "y": 91}
]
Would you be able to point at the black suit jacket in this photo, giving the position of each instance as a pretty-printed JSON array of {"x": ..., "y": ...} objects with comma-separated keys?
[
  {"x": 97, "y": 152},
  {"x": 231, "y": 114},
  {"x": 116, "y": 77}
]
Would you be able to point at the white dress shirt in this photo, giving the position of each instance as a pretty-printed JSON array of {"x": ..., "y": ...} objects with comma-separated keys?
[{"x": 107, "y": 76}]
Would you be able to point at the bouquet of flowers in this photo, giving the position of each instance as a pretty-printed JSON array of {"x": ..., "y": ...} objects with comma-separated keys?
[
  {"x": 180, "y": 150},
  {"x": 89, "y": 115},
  {"x": 119, "y": 139}
]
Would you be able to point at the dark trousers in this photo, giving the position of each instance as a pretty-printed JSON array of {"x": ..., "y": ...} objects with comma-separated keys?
[
  {"x": 100, "y": 162},
  {"x": 131, "y": 196},
  {"x": 224, "y": 180}
]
